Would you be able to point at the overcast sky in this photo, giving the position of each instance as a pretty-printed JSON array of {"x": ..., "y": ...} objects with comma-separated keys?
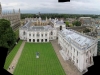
[{"x": 52, "y": 6}]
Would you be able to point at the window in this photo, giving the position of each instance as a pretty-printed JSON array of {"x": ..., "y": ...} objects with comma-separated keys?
[
  {"x": 77, "y": 53},
  {"x": 45, "y": 34},
  {"x": 24, "y": 33},
  {"x": 37, "y": 34},
  {"x": 37, "y": 40},
  {"x": 51, "y": 33},
  {"x": 60, "y": 27},
  {"x": 45, "y": 40},
  {"x": 33, "y": 40},
  {"x": 41, "y": 40},
  {"x": 42, "y": 35},
  {"x": 87, "y": 53},
  {"x": 33, "y": 35}
]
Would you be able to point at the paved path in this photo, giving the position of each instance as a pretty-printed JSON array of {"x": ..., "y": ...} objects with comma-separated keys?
[
  {"x": 15, "y": 60},
  {"x": 68, "y": 67}
]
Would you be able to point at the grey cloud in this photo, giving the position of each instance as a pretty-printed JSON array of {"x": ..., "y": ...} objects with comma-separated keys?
[{"x": 74, "y": 6}]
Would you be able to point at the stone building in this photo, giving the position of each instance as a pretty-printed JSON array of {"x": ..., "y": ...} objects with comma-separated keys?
[
  {"x": 78, "y": 48},
  {"x": 13, "y": 17},
  {"x": 38, "y": 30}
]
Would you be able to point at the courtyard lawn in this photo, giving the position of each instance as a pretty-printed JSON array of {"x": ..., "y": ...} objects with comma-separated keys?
[
  {"x": 46, "y": 64},
  {"x": 11, "y": 55}
]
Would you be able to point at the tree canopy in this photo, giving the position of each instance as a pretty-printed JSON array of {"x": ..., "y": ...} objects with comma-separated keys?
[
  {"x": 67, "y": 24},
  {"x": 56, "y": 15},
  {"x": 7, "y": 36},
  {"x": 76, "y": 23},
  {"x": 86, "y": 30}
]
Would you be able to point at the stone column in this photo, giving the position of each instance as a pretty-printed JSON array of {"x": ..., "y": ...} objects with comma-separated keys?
[
  {"x": 35, "y": 37},
  {"x": 44, "y": 37},
  {"x": 48, "y": 37},
  {"x": 31, "y": 37}
]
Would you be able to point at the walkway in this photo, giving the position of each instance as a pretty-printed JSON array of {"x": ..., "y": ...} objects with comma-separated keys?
[
  {"x": 68, "y": 67},
  {"x": 15, "y": 60}
]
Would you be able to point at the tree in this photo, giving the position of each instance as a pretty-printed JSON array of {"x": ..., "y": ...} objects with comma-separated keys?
[
  {"x": 86, "y": 30},
  {"x": 7, "y": 36},
  {"x": 67, "y": 24},
  {"x": 76, "y": 23}
]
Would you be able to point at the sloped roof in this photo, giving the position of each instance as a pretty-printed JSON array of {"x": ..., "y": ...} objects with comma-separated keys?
[{"x": 79, "y": 39}]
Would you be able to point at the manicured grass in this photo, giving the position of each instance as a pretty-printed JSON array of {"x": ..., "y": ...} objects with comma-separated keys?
[
  {"x": 11, "y": 55},
  {"x": 47, "y": 64},
  {"x": 17, "y": 33}
]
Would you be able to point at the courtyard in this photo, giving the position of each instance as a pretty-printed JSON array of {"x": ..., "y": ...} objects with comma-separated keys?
[{"x": 46, "y": 64}]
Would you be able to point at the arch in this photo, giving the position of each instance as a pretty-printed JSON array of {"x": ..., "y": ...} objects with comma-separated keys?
[{"x": 37, "y": 40}]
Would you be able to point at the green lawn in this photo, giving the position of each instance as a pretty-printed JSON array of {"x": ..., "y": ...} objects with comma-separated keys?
[
  {"x": 47, "y": 64},
  {"x": 11, "y": 55}
]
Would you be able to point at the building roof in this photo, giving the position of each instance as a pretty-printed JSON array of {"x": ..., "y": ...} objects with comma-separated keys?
[
  {"x": 77, "y": 38},
  {"x": 59, "y": 22},
  {"x": 29, "y": 27}
]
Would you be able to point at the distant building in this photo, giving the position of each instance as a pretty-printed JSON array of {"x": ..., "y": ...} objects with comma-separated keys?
[
  {"x": 13, "y": 17},
  {"x": 85, "y": 21},
  {"x": 78, "y": 48}
]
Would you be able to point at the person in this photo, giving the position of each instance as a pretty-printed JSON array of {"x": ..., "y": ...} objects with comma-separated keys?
[
  {"x": 9, "y": 68},
  {"x": 12, "y": 66}
]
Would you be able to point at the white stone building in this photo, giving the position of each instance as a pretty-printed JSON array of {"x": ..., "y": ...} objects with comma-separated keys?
[
  {"x": 78, "y": 48},
  {"x": 13, "y": 17},
  {"x": 38, "y": 30}
]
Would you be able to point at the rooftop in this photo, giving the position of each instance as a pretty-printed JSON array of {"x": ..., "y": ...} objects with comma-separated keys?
[
  {"x": 31, "y": 28},
  {"x": 81, "y": 40}
]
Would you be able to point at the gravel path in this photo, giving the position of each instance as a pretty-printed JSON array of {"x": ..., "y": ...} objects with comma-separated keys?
[
  {"x": 68, "y": 66},
  {"x": 15, "y": 60}
]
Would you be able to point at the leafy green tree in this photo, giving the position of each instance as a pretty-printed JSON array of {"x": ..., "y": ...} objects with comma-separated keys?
[
  {"x": 67, "y": 24},
  {"x": 7, "y": 36},
  {"x": 76, "y": 23}
]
